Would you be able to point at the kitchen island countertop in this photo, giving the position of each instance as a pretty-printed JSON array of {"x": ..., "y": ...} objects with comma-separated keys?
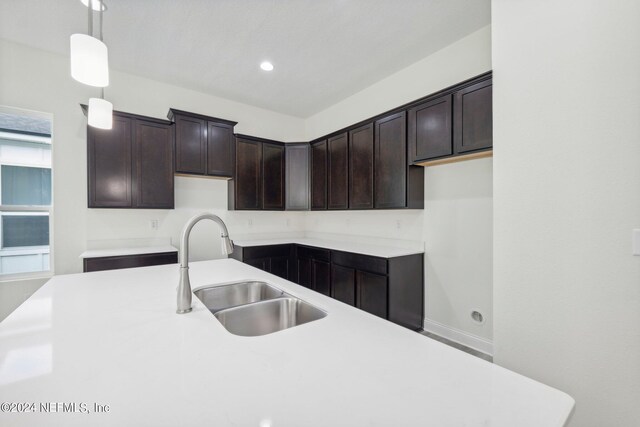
[{"x": 113, "y": 338}]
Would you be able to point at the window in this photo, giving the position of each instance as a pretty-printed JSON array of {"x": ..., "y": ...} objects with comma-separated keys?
[{"x": 25, "y": 192}]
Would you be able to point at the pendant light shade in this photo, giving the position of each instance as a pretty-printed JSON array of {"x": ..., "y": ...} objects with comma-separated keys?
[
  {"x": 100, "y": 113},
  {"x": 89, "y": 60}
]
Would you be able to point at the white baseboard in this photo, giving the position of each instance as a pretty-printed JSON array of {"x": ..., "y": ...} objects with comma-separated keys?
[{"x": 456, "y": 335}]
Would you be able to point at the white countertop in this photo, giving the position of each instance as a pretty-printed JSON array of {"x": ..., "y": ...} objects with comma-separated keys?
[
  {"x": 382, "y": 251},
  {"x": 113, "y": 338},
  {"x": 99, "y": 253}
]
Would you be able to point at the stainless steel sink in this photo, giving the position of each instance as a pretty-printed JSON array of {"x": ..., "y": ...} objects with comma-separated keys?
[
  {"x": 217, "y": 298},
  {"x": 266, "y": 317}
]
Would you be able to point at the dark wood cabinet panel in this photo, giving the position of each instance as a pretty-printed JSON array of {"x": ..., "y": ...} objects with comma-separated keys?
[
  {"x": 473, "y": 117},
  {"x": 220, "y": 149},
  {"x": 273, "y": 177},
  {"x": 430, "y": 129},
  {"x": 109, "y": 165},
  {"x": 280, "y": 267},
  {"x": 204, "y": 144},
  {"x": 319, "y": 175},
  {"x": 190, "y": 145},
  {"x": 129, "y": 261},
  {"x": 391, "y": 162},
  {"x": 406, "y": 293},
  {"x": 361, "y": 167},
  {"x": 248, "y": 186},
  {"x": 343, "y": 284},
  {"x": 304, "y": 272},
  {"x": 338, "y": 172},
  {"x": 153, "y": 154},
  {"x": 371, "y": 293},
  {"x": 297, "y": 177},
  {"x": 369, "y": 263},
  {"x": 321, "y": 277}
]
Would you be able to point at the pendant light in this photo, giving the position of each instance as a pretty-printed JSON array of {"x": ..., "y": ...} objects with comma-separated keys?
[
  {"x": 89, "y": 55},
  {"x": 100, "y": 113}
]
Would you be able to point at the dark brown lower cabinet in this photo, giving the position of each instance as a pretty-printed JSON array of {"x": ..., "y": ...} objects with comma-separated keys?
[
  {"x": 371, "y": 293},
  {"x": 274, "y": 259},
  {"x": 391, "y": 288},
  {"x": 321, "y": 277},
  {"x": 128, "y": 261},
  {"x": 343, "y": 281}
]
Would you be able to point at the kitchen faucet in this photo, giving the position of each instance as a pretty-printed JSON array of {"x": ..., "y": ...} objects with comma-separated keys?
[{"x": 184, "y": 287}]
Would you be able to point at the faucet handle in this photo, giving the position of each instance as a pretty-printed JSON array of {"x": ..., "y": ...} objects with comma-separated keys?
[{"x": 227, "y": 245}]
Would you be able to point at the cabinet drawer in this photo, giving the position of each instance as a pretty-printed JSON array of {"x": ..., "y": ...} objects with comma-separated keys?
[
  {"x": 313, "y": 253},
  {"x": 269, "y": 251},
  {"x": 129, "y": 261},
  {"x": 360, "y": 262}
]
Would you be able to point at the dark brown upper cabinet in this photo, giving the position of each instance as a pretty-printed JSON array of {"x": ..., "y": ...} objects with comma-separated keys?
[
  {"x": 396, "y": 184},
  {"x": 319, "y": 175},
  {"x": 297, "y": 178},
  {"x": 273, "y": 173},
  {"x": 430, "y": 134},
  {"x": 361, "y": 164},
  {"x": 391, "y": 161},
  {"x": 338, "y": 172},
  {"x": 259, "y": 175},
  {"x": 473, "y": 118},
  {"x": 204, "y": 145},
  {"x": 131, "y": 165},
  {"x": 454, "y": 125},
  {"x": 153, "y": 165},
  {"x": 248, "y": 180}
]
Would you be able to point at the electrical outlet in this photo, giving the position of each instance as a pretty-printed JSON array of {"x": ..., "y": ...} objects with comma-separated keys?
[
  {"x": 635, "y": 237},
  {"x": 398, "y": 224},
  {"x": 250, "y": 223},
  {"x": 154, "y": 224}
]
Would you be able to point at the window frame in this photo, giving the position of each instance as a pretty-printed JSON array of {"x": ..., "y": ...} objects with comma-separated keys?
[{"x": 28, "y": 209}]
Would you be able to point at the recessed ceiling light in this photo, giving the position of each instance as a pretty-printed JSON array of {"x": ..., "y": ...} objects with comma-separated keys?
[
  {"x": 267, "y": 66},
  {"x": 95, "y": 4}
]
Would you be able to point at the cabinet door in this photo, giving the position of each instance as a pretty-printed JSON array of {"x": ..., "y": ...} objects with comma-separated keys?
[
  {"x": 338, "y": 172},
  {"x": 248, "y": 186},
  {"x": 391, "y": 162},
  {"x": 153, "y": 160},
  {"x": 343, "y": 284},
  {"x": 473, "y": 117},
  {"x": 304, "y": 272},
  {"x": 280, "y": 267},
  {"x": 371, "y": 293},
  {"x": 430, "y": 131},
  {"x": 109, "y": 165},
  {"x": 321, "y": 277},
  {"x": 219, "y": 149},
  {"x": 297, "y": 177},
  {"x": 319, "y": 175},
  {"x": 361, "y": 167},
  {"x": 272, "y": 177},
  {"x": 191, "y": 145},
  {"x": 261, "y": 263}
]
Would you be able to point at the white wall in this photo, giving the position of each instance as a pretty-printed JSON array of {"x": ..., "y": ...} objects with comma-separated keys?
[
  {"x": 566, "y": 197},
  {"x": 456, "y": 224}
]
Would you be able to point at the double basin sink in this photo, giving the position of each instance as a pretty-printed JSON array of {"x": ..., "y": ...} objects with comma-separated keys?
[{"x": 253, "y": 308}]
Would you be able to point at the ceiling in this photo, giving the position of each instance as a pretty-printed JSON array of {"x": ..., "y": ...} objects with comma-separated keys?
[{"x": 323, "y": 50}]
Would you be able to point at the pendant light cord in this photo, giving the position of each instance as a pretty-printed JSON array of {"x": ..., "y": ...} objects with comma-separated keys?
[
  {"x": 90, "y": 18},
  {"x": 101, "y": 10}
]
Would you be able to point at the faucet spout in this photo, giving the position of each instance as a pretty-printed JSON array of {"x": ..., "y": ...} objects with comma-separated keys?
[{"x": 184, "y": 286}]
